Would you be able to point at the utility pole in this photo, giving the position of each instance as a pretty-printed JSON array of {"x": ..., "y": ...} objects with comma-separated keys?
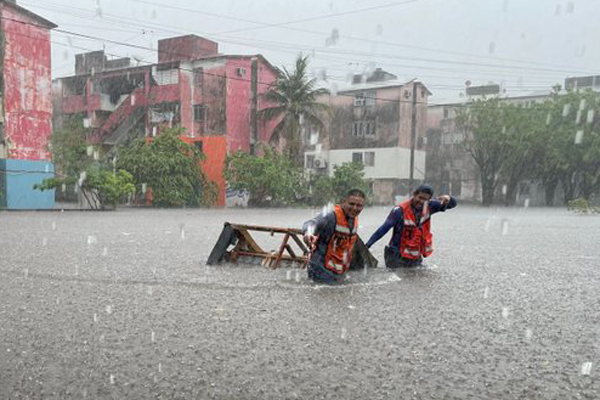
[
  {"x": 413, "y": 135},
  {"x": 254, "y": 105}
]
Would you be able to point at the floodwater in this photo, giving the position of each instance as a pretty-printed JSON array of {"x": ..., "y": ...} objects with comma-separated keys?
[{"x": 120, "y": 305}]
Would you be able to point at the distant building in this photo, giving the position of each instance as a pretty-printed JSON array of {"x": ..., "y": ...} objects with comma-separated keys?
[
  {"x": 25, "y": 107},
  {"x": 371, "y": 124},
  {"x": 215, "y": 97}
]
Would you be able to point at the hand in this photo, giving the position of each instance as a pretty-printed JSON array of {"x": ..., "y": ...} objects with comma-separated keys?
[
  {"x": 445, "y": 199},
  {"x": 311, "y": 241}
]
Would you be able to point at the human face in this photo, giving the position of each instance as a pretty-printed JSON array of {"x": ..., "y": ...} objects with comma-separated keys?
[
  {"x": 353, "y": 205},
  {"x": 419, "y": 199}
]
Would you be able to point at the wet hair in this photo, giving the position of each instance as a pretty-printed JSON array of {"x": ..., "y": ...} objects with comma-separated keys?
[
  {"x": 357, "y": 193},
  {"x": 424, "y": 189}
]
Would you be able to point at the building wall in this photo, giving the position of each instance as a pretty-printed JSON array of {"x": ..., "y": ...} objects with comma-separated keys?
[
  {"x": 27, "y": 87},
  {"x": 17, "y": 178}
]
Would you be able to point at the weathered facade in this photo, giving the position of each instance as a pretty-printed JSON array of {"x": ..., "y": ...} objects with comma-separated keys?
[
  {"x": 372, "y": 124},
  {"x": 25, "y": 105},
  {"x": 214, "y": 97}
]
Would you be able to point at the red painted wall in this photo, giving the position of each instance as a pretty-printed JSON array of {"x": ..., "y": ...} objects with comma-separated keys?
[
  {"x": 215, "y": 149},
  {"x": 27, "y": 86}
]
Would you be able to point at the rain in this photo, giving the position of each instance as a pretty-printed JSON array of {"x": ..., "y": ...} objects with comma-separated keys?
[{"x": 146, "y": 132}]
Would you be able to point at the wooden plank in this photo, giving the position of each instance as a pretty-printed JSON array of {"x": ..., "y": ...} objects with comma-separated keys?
[
  {"x": 267, "y": 229},
  {"x": 300, "y": 244},
  {"x": 290, "y": 250},
  {"x": 249, "y": 240}
]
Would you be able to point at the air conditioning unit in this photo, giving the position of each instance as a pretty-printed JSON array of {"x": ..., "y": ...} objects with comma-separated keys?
[{"x": 319, "y": 163}]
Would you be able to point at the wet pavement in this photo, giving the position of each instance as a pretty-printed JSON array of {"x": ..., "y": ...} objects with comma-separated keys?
[{"x": 120, "y": 305}]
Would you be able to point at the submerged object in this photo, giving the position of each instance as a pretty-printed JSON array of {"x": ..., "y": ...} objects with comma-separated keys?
[{"x": 237, "y": 245}]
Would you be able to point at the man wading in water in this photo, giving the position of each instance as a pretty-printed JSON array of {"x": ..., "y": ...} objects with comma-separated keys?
[{"x": 331, "y": 238}]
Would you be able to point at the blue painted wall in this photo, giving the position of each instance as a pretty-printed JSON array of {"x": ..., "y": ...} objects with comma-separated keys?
[{"x": 17, "y": 178}]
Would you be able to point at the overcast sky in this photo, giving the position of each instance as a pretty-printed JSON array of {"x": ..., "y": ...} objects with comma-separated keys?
[{"x": 525, "y": 45}]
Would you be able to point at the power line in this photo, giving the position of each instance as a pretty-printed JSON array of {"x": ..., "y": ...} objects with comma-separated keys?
[{"x": 425, "y": 60}]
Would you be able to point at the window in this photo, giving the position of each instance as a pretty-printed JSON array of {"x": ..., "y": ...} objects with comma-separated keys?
[
  {"x": 357, "y": 130},
  {"x": 369, "y": 129},
  {"x": 369, "y": 158},
  {"x": 359, "y": 99},
  {"x": 370, "y": 98},
  {"x": 199, "y": 77},
  {"x": 199, "y": 112},
  {"x": 357, "y": 157},
  {"x": 241, "y": 72}
]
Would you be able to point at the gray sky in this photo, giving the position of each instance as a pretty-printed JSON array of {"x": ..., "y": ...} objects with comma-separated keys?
[{"x": 526, "y": 45}]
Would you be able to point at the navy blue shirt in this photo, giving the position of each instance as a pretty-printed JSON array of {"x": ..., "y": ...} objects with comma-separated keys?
[
  {"x": 396, "y": 220},
  {"x": 324, "y": 227}
]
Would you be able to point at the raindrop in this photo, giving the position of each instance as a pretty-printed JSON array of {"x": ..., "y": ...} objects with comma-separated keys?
[
  {"x": 86, "y": 122},
  {"x": 343, "y": 333},
  {"x": 57, "y": 301},
  {"x": 505, "y": 312},
  {"x": 528, "y": 334},
  {"x": 150, "y": 290},
  {"x": 548, "y": 119},
  {"x": 26, "y": 272},
  {"x": 288, "y": 275},
  {"x": 95, "y": 318},
  {"x": 82, "y": 178},
  {"x": 104, "y": 251},
  {"x": 590, "y": 116},
  {"x": 504, "y": 190},
  {"x": 109, "y": 310},
  {"x": 101, "y": 340},
  {"x": 96, "y": 155},
  {"x": 182, "y": 231},
  {"x": 505, "y": 227},
  {"x": 526, "y": 203},
  {"x": 92, "y": 239},
  {"x": 76, "y": 270},
  {"x": 112, "y": 379},
  {"x": 586, "y": 368},
  {"x": 578, "y": 117},
  {"x": 54, "y": 224},
  {"x": 486, "y": 292},
  {"x": 152, "y": 337},
  {"x": 503, "y": 129},
  {"x": 492, "y": 47},
  {"x": 44, "y": 242},
  {"x": 89, "y": 150},
  {"x": 351, "y": 307},
  {"x": 159, "y": 367},
  {"x": 63, "y": 187},
  {"x": 566, "y": 109},
  {"x": 334, "y": 89},
  {"x": 297, "y": 278},
  {"x": 579, "y": 136},
  {"x": 582, "y": 104},
  {"x": 133, "y": 99},
  {"x": 143, "y": 188}
]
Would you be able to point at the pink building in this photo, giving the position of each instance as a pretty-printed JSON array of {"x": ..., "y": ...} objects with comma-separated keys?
[
  {"x": 214, "y": 97},
  {"x": 25, "y": 83}
]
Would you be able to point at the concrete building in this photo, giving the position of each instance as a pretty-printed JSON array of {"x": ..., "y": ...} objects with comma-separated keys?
[
  {"x": 371, "y": 124},
  {"x": 214, "y": 97},
  {"x": 25, "y": 107}
]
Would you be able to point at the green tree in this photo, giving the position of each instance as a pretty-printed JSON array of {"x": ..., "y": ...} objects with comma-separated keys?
[
  {"x": 171, "y": 168},
  {"x": 292, "y": 101},
  {"x": 483, "y": 124},
  {"x": 345, "y": 177},
  {"x": 271, "y": 179},
  {"x": 95, "y": 180}
]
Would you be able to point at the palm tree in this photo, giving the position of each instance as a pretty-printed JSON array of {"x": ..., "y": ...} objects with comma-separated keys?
[{"x": 293, "y": 101}]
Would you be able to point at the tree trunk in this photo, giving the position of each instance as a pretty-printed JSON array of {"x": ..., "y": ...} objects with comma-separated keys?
[
  {"x": 487, "y": 191},
  {"x": 549, "y": 191},
  {"x": 510, "y": 199}
]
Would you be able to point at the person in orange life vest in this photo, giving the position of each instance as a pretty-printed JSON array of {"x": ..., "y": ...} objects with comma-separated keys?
[
  {"x": 411, "y": 238},
  {"x": 331, "y": 237}
]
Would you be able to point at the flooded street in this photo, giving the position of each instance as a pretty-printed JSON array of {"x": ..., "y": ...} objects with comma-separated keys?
[{"x": 121, "y": 305}]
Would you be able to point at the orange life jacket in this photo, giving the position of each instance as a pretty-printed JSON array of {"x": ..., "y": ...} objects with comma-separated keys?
[
  {"x": 416, "y": 239},
  {"x": 339, "y": 251}
]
